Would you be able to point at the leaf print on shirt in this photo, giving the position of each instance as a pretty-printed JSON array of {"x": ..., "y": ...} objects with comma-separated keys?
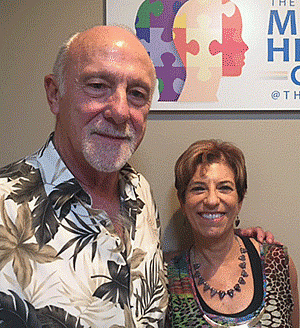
[
  {"x": 52, "y": 316},
  {"x": 117, "y": 290},
  {"x": 131, "y": 204},
  {"x": 28, "y": 181},
  {"x": 153, "y": 285},
  {"x": 60, "y": 199},
  {"x": 84, "y": 235},
  {"x": 17, "y": 313},
  {"x": 67, "y": 193},
  {"x": 14, "y": 246}
]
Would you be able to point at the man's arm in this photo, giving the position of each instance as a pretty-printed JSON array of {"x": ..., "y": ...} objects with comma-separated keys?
[{"x": 259, "y": 234}]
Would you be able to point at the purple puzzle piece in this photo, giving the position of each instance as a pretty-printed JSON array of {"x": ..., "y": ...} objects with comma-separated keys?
[
  {"x": 166, "y": 19},
  {"x": 156, "y": 47},
  {"x": 170, "y": 75}
]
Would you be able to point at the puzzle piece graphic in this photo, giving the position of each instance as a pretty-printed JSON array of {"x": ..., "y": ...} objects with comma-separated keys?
[
  {"x": 171, "y": 78},
  {"x": 156, "y": 47},
  {"x": 203, "y": 22},
  {"x": 143, "y": 33},
  {"x": 205, "y": 91},
  {"x": 166, "y": 19},
  {"x": 204, "y": 35},
  {"x": 178, "y": 85},
  {"x": 145, "y": 10},
  {"x": 182, "y": 46}
]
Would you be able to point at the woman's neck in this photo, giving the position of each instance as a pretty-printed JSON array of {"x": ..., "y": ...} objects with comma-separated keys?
[{"x": 212, "y": 252}]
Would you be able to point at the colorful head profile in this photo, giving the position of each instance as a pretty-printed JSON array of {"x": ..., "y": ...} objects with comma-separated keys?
[
  {"x": 192, "y": 43},
  {"x": 233, "y": 47}
]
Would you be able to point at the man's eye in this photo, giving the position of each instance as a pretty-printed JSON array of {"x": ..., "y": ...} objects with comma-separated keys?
[
  {"x": 137, "y": 94},
  {"x": 96, "y": 85},
  {"x": 138, "y": 97},
  {"x": 96, "y": 89}
]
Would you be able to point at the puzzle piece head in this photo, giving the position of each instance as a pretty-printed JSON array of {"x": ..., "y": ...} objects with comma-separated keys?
[{"x": 233, "y": 47}]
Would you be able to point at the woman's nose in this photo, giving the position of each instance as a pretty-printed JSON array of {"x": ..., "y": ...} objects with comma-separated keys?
[{"x": 212, "y": 198}]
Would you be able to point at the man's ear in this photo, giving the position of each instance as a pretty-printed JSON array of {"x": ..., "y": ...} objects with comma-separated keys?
[{"x": 52, "y": 91}]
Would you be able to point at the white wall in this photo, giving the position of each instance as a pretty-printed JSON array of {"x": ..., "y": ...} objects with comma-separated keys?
[{"x": 31, "y": 32}]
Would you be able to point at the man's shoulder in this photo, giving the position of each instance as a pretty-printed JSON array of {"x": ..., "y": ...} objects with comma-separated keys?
[{"x": 25, "y": 166}]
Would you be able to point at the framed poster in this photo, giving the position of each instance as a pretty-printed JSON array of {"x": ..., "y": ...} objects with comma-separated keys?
[{"x": 218, "y": 54}]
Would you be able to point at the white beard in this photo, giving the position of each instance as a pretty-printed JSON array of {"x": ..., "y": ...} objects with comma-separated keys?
[{"x": 106, "y": 155}]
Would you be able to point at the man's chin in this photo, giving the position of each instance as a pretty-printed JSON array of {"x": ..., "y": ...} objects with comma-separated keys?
[{"x": 108, "y": 163}]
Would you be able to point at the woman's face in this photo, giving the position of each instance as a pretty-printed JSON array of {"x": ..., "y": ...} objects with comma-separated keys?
[{"x": 211, "y": 200}]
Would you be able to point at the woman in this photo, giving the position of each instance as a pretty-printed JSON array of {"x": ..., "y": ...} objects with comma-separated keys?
[{"x": 224, "y": 279}]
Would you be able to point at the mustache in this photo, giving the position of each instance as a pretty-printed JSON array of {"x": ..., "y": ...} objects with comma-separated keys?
[{"x": 126, "y": 132}]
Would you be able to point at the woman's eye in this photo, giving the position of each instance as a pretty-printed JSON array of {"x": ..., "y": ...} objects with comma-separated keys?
[
  {"x": 198, "y": 189},
  {"x": 226, "y": 188}
]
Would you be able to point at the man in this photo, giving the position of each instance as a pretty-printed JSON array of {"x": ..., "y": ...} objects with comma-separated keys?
[{"x": 79, "y": 233}]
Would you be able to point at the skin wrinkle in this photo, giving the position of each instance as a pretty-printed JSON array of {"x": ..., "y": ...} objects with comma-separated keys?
[{"x": 109, "y": 84}]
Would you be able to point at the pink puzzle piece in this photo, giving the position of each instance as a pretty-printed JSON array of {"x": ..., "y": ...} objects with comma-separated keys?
[{"x": 182, "y": 46}]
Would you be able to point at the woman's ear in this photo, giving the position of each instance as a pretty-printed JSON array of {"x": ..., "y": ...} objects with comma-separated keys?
[
  {"x": 52, "y": 91},
  {"x": 181, "y": 203}
]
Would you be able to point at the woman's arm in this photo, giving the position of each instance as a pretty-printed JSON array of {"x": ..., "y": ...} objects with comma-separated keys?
[{"x": 295, "y": 293}]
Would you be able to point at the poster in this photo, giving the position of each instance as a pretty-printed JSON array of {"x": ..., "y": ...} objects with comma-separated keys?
[{"x": 218, "y": 54}]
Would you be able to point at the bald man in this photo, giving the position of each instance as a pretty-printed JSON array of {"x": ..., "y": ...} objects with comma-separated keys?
[{"x": 79, "y": 231}]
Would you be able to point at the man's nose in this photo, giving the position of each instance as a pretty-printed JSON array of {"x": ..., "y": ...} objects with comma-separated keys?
[{"x": 119, "y": 110}]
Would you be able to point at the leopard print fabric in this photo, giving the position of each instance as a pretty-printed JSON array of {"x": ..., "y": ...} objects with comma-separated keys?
[
  {"x": 279, "y": 302},
  {"x": 185, "y": 311}
]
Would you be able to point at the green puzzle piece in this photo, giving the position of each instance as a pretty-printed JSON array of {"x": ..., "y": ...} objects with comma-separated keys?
[{"x": 145, "y": 9}]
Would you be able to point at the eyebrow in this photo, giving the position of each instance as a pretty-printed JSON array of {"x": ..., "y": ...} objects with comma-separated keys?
[{"x": 203, "y": 182}]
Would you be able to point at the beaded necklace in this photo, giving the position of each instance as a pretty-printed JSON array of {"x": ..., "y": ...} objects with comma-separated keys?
[{"x": 213, "y": 291}]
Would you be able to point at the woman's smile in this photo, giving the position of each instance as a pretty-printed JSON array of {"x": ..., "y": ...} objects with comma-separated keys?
[{"x": 212, "y": 216}]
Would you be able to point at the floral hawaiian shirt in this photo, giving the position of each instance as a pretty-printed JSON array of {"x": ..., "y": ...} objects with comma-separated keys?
[{"x": 62, "y": 263}]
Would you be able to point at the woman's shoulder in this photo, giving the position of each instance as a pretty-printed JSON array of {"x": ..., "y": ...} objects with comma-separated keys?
[
  {"x": 266, "y": 248},
  {"x": 275, "y": 248},
  {"x": 275, "y": 253}
]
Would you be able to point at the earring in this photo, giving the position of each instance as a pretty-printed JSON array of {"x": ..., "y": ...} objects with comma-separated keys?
[{"x": 237, "y": 221}]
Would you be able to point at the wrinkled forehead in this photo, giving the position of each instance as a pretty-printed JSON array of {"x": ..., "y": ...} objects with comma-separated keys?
[{"x": 89, "y": 47}]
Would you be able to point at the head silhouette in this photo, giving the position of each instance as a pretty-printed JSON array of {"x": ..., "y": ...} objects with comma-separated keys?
[{"x": 233, "y": 47}]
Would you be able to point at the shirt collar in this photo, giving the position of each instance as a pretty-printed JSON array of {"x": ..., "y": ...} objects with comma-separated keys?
[{"x": 54, "y": 171}]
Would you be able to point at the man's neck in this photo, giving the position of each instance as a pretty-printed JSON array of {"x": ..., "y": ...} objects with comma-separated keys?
[
  {"x": 103, "y": 189},
  {"x": 101, "y": 186}
]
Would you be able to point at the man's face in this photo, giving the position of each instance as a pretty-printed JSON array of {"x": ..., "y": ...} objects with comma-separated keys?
[{"x": 102, "y": 114}]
